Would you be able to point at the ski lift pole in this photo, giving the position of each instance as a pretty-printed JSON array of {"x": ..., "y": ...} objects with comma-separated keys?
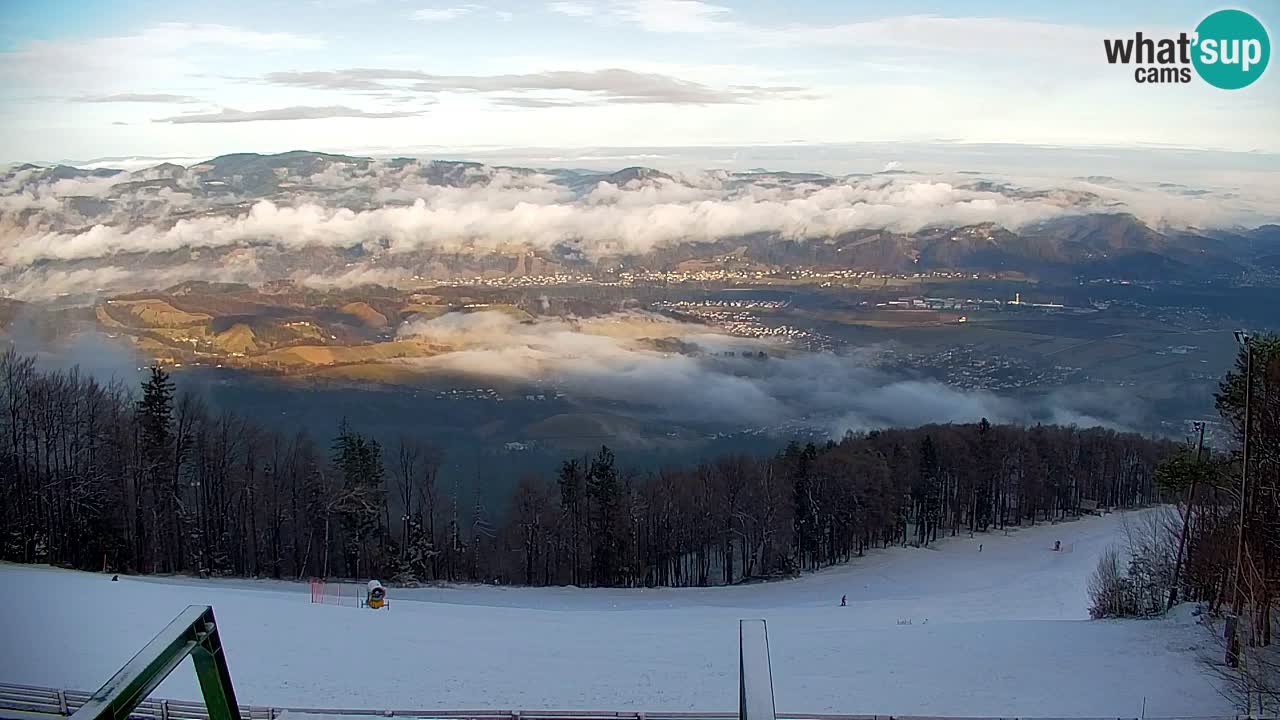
[{"x": 755, "y": 678}]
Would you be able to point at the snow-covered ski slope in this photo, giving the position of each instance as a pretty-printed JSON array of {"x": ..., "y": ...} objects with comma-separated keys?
[{"x": 1001, "y": 632}]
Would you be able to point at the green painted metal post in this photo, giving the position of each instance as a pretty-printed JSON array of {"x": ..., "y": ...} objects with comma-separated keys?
[
  {"x": 193, "y": 633},
  {"x": 215, "y": 679}
]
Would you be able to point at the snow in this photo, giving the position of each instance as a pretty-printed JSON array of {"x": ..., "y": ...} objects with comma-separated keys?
[{"x": 1001, "y": 632}]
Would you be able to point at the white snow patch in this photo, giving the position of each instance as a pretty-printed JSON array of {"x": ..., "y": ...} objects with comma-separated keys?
[{"x": 1007, "y": 634}]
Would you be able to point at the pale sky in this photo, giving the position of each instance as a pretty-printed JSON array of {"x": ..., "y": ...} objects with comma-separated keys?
[{"x": 90, "y": 79}]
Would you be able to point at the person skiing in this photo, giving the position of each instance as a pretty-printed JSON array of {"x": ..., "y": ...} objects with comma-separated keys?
[{"x": 844, "y": 600}]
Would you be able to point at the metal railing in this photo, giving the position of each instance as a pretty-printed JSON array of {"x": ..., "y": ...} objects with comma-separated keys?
[
  {"x": 41, "y": 703},
  {"x": 51, "y": 701},
  {"x": 194, "y": 634}
]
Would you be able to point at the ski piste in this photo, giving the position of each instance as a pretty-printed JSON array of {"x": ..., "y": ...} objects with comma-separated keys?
[{"x": 1007, "y": 635}]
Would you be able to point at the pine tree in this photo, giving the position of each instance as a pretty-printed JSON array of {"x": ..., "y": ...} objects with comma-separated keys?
[
  {"x": 570, "y": 482},
  {"x": 929, "y": 491},
  {"x": 799, "y": 464},
  {"x": 988, "y": 470},
  {"x": 361, "y": 497},
  {"x": 155, "y": 414},
  {"x": 603, "y": 491},
  {"x": 155, "y": 506}
]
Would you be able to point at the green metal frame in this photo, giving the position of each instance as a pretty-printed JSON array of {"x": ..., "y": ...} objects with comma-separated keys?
[{"x": 193, "y": 633}]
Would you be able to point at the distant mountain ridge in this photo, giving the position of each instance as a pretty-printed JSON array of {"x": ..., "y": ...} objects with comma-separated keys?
[{"x": 1092, "y": 236}]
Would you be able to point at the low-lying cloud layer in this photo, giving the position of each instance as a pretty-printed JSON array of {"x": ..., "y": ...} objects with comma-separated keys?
[
  {"x": 613, "y": 359},
  {"x": 401, "y": 208},
  {"x": 607, "y": 221}
]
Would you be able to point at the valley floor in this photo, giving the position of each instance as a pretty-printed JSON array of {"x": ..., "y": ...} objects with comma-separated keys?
[{"x": 1001, "y": 631}]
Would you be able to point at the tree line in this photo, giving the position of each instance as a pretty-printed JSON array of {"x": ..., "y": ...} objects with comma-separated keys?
[
  {"x": 101, "y": 476},
  {"x": 1221, "y": 548}
]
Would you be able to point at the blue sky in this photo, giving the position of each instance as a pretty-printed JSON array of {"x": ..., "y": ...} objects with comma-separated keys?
[{"x": 87, "y": 79}]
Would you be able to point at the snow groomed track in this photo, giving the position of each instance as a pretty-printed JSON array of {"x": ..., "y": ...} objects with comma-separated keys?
[{"x": 1001, "y": 632}]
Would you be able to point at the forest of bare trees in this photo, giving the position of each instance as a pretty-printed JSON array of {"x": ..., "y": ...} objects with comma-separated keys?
[
  {"x": 1228, "y": 558},
  {"x": 147, "y": 480}
]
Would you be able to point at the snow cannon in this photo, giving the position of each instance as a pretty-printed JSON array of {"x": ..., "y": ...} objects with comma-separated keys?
[{"x": 376, "y": 596}]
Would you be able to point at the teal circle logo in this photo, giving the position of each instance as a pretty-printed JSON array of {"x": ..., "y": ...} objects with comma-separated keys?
[{"x": 1232, "y": 49}]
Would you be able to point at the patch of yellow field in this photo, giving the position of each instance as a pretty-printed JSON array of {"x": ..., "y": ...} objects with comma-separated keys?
[
  {"x": 375, "y": 372},
  {"x": 511, "y": 311},
  {"x": 238, "y": 338},
  {"x": 154, "y": 348},
  {"x": 315, "y": 355},
  {"x": 178, "y": 335},
  {"x": 105, "y": 318},
  {"x": 365, "y": 313},
  {"x": 159, "y": 313},
  {"x": 304, "y": 330},
  {"x": 426, "y": 312}
]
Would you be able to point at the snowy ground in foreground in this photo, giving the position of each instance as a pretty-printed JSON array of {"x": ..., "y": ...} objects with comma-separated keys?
[{"x": 1006, "y": 634}]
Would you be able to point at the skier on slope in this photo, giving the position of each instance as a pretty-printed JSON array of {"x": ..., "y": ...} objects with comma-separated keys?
[{"x": 844, "y": 600}]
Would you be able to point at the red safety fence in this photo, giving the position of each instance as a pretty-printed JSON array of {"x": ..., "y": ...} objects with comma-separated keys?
[{"x": 324, "y": 592}]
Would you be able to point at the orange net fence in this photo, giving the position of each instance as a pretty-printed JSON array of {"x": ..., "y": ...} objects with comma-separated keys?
[{"x": 324, "y": 592}]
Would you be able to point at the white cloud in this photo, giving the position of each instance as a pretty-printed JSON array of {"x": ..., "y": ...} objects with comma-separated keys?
[
  {"x": 915, "y": 32},
  {"x": 36, "y": 284},
  {"x": 609, "y": 85},
  {"x": 508, "y": 211},
  {"x": 298, "y": 112},
  {"x": 138, "y": 98},
  {"x": 612, "y": 358},
  {"x": 679, "y": 16},
  {"x": 444, "y": 14},
  {"x": 138, "y": 163},
  {"x": 352, "y": 277},
  {"x": 572, "y": 9},
  {"x": 937, "y": 33},
  {"x": 159, "y": 48},
  {"x": 1043, "y": 69}
]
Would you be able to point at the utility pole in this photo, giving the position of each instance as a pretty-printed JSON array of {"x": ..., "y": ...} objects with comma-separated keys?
[
  {"x": 1237, "y": 603},
  {"x": 1186, "y": 517}
]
